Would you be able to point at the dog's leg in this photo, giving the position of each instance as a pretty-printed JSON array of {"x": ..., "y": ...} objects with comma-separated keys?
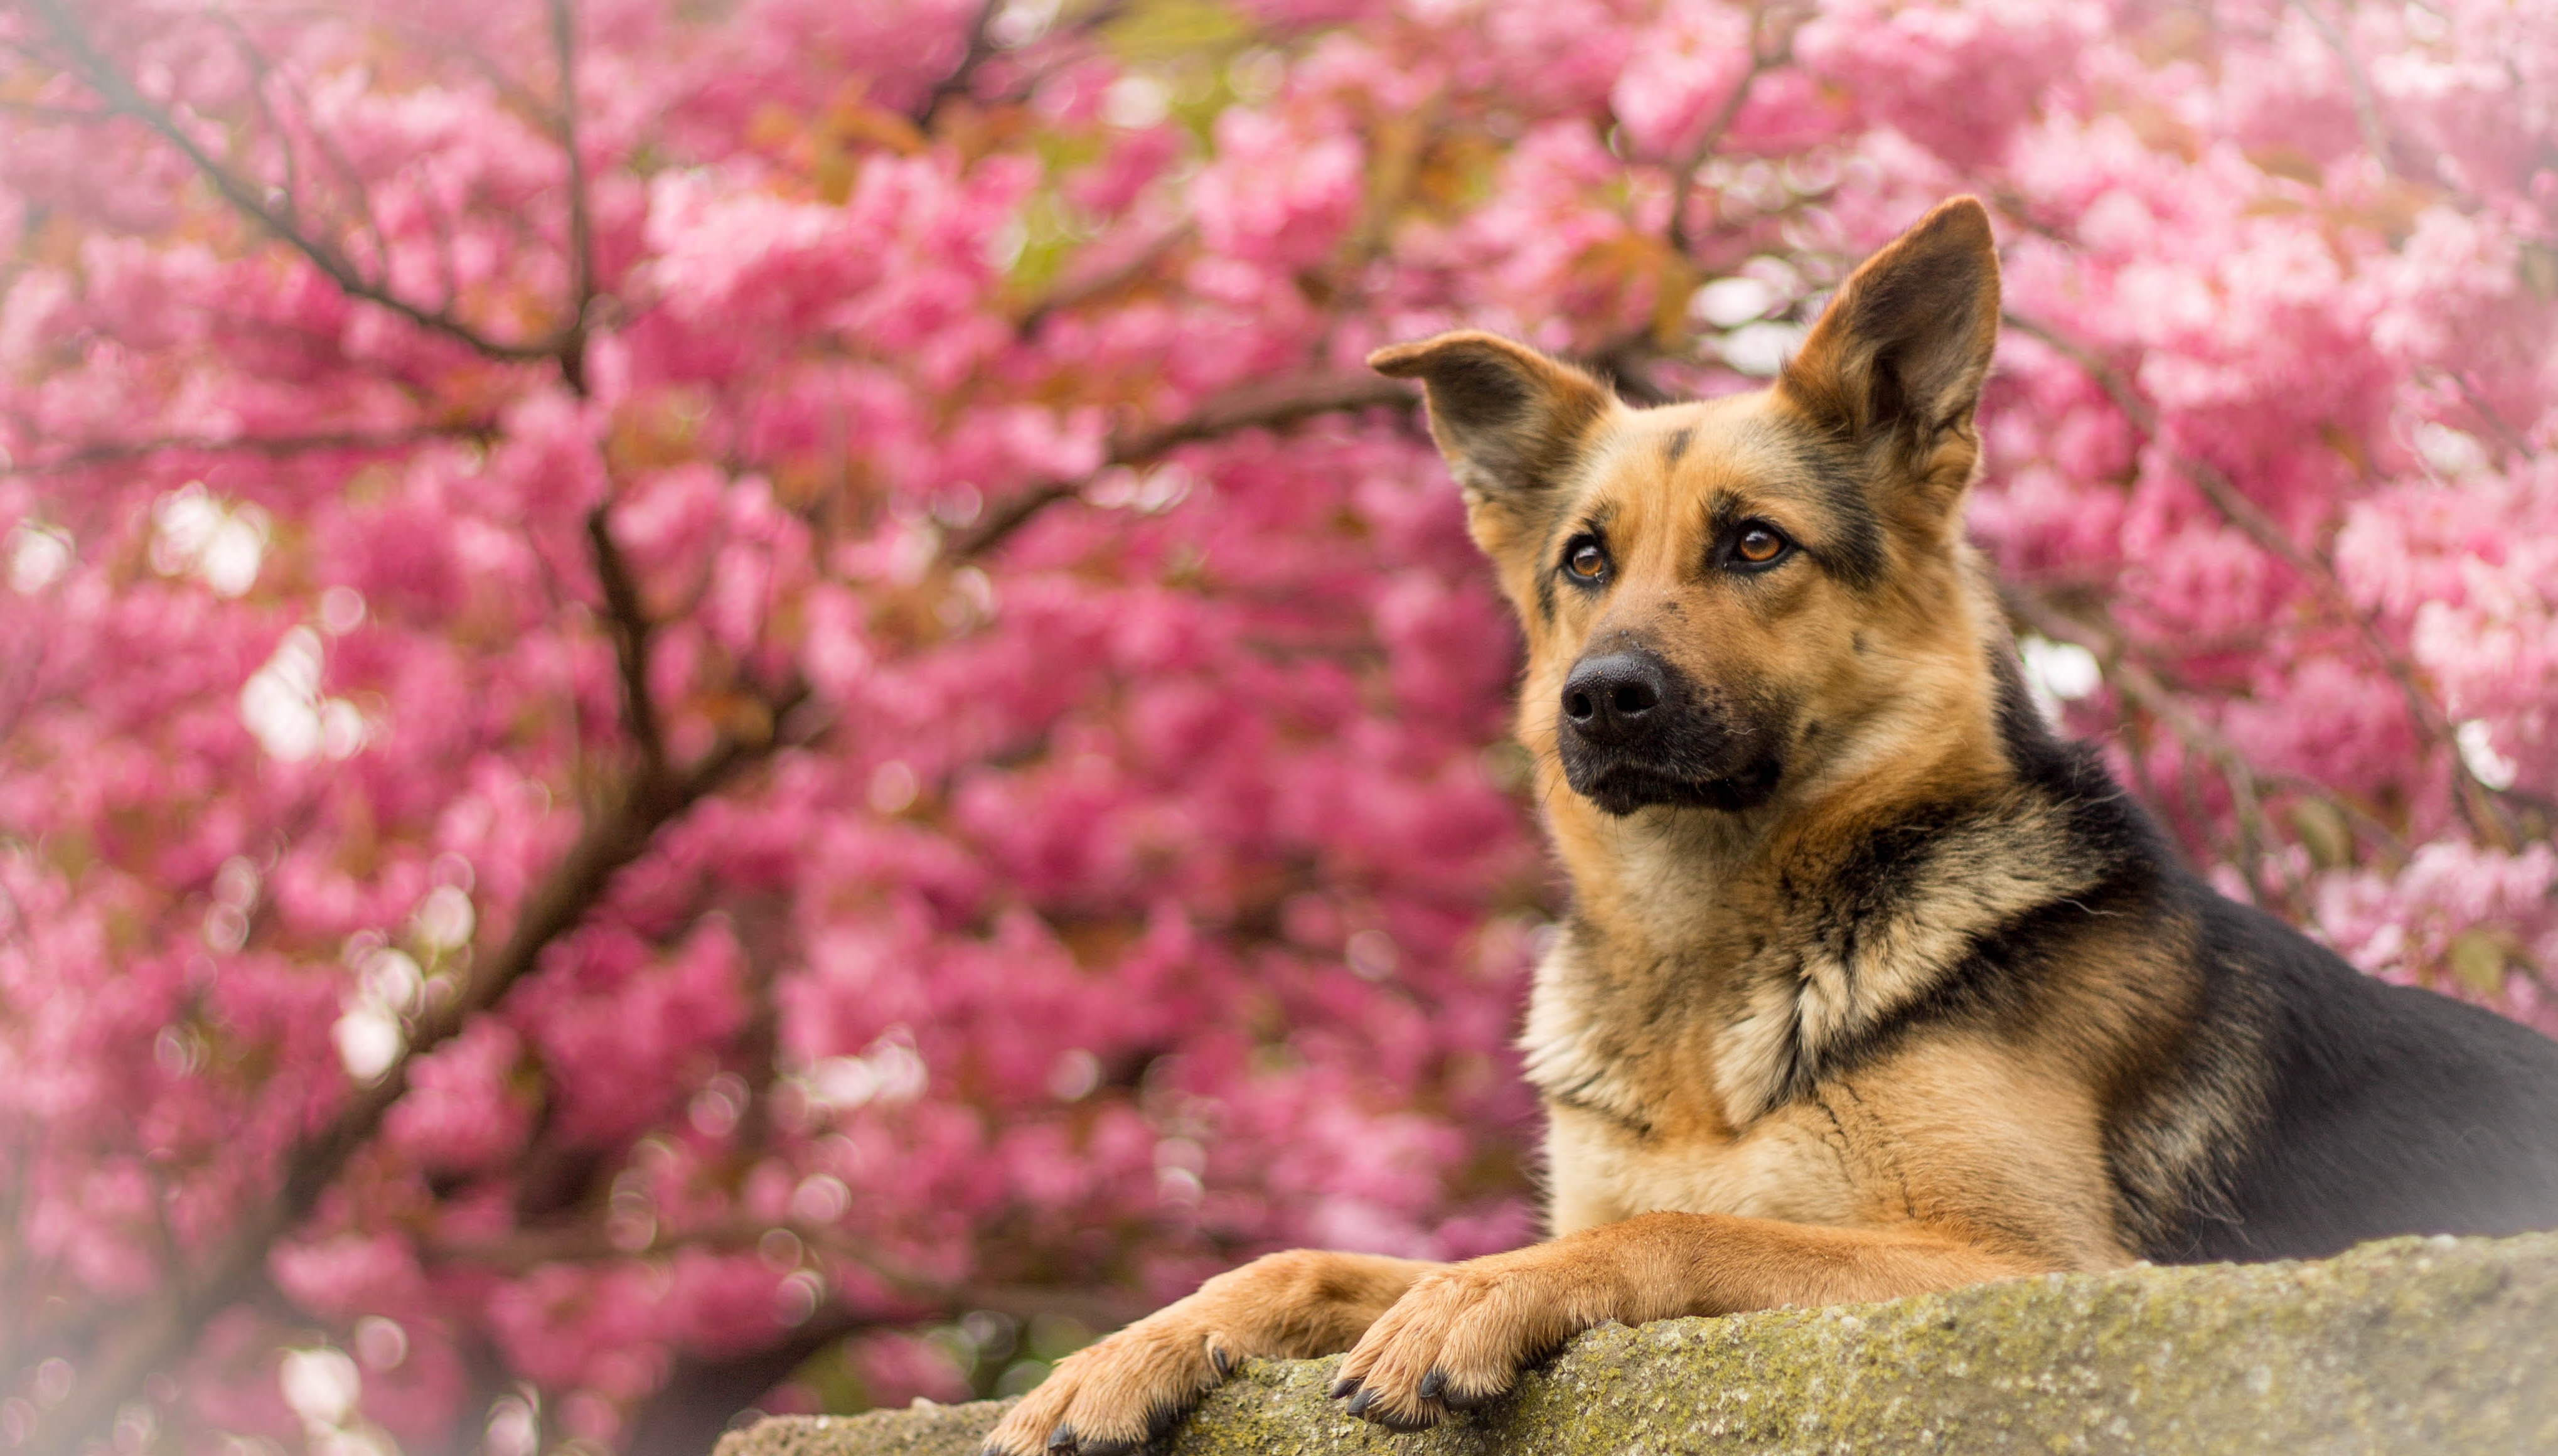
[
  {"x": 1111, "y": 1397},
  {"x": 1457, "y": 1337}
]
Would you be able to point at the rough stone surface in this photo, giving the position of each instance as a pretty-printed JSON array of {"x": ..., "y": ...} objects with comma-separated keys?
[{"x": 2437, "y": 1346}]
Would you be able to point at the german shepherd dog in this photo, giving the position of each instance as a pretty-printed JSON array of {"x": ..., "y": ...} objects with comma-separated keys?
[{"x": 1870, "y": 985}]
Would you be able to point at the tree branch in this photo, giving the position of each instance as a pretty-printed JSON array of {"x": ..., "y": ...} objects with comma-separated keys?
[
  {"x": 631, "y": 628},
  {"x": 120, "y": 93},
  {"x": 2233, "y": 507},
  {"x": 336, "y": 157},
  {"x": 260, "y": 73},
  {"x": 2142, "y": 687},
  {"x": 686, "y": 1414},
  {"x": 1075, "y": 292},
  {"x": 580, "y": 242},
  {"x": 1254, "y": 405},
  {"x": 1780, "y": 52},
  {"x": 615, "y": 834},
  {"x": 266, "y": 445},
  {"x": 980, "y": 47},
  {"x": 527, "y": 1250},
  {"x": 613, "y": 837}
]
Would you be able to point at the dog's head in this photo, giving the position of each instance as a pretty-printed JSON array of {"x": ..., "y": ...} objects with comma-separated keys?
[{"x": 1726, "y": 599}]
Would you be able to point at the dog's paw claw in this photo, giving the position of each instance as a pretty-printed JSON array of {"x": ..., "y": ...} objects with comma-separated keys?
[
  {"x": 1344, "y": 1388},
  {"x": 1061, "y": 1441}
]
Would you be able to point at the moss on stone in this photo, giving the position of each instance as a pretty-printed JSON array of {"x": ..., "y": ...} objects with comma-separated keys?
[{"x": 2437, "y": 1346}]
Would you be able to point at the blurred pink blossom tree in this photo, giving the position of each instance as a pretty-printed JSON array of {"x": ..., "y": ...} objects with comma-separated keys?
[{"x": 699, "y": 695}]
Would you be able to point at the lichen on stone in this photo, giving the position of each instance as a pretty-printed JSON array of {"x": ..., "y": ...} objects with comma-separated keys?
[{"x": 2412, "y": 1344}]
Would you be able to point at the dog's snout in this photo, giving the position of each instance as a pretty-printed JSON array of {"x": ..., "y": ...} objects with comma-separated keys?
[
  {"x": 1635, "y": 731},
  {"x": 1613, "y": 698}
]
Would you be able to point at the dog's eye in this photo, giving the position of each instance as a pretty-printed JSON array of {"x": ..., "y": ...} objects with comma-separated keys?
[
  {"x": 1759, "y": 546},
  {"x": 1586, "y": 560}
]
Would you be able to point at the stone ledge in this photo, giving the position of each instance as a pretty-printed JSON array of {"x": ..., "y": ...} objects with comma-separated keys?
[{"x": 2435, "y": 1346}]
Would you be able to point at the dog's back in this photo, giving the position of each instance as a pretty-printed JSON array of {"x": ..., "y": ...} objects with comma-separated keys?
[
  {"x": 2387, "y": 1109},
  {"x": 2331, "y": 1108}
]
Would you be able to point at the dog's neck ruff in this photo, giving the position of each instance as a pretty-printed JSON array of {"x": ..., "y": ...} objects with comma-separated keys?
[{"x": 1837, "y": 955}]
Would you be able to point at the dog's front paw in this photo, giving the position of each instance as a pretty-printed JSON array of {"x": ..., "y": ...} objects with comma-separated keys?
[
  {"x": 1455, "y": 1341},
  {"x": 1111, "y": 1398}
]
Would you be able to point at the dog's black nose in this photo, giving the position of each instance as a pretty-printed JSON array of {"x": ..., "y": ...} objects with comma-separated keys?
[{"x": 1613, "y": 699}]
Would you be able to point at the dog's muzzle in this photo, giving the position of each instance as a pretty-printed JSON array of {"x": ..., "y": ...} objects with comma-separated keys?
[{"x": 1634, "y": 732}]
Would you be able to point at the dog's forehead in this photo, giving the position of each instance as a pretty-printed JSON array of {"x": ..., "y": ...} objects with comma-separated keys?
[{"x": 1657, "y": 465}]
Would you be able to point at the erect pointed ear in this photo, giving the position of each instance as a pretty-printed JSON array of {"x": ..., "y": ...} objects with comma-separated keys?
[
  {"x": 1510, "y": 420},
  {"x": 1898, "y": 356}
]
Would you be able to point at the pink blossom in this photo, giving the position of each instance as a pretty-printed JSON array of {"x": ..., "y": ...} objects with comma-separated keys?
[{"x": 1068, "y": 842}]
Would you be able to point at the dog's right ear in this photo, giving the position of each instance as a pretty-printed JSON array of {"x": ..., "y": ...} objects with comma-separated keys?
[
  {"x": 1895, "y": 361},
  {"x": 1510, "y": 420}
]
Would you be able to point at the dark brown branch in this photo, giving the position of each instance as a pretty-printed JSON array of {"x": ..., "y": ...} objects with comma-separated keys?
[
  {"x": 1253, "y": 406},
  {"x": 979, "y": 49},
  {"x": 2143, "y": 688},
  {"x": 631, "y": 628},
  {"x": 2233, "y": 507},
  {"x": 433, "y": 40},
  {"x": 1027, "y": 79},
  {"x": 1012, "y": 514},
  {"x": 1778, "y": 51},
  {"x": 691, "y": 1408},
  {"x": 689, "y": 1412},
  {"x": 614, "y": 836},
  {"x": 2214, "y": 484},
  {"x": 2146, "y": 690},
  {"x": 1263, "y": 405},
  {"x": 336, "y": 156},
  {"x": 119, "y": 92},
  {"x": 260, "y": 73},
  {"x": 1075, "y": 292},
  {"x": 586, "y": 1244},
  {"x": 265, "y": 445},
  {"x": 580, "y": 242}
]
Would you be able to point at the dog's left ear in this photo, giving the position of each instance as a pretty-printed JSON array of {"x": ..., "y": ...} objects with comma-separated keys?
[
  {"x": 1510, "y": 420},
  {"x": 1896, "y": 361}
]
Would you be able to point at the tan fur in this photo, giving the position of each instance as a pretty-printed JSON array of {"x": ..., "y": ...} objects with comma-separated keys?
[
  {"x": 1111, "y": 1395},
  {"x": 1720, "y": 1136},
  {"x": 1463, "y": 1331}
]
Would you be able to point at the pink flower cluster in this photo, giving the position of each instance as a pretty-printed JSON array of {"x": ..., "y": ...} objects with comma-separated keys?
[{"x": 954, "y": 436}]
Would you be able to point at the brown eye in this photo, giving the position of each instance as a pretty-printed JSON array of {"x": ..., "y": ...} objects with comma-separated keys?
[
  {"x": 1587, "y": 561},
  {"x": 1759, "y": 546}
]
